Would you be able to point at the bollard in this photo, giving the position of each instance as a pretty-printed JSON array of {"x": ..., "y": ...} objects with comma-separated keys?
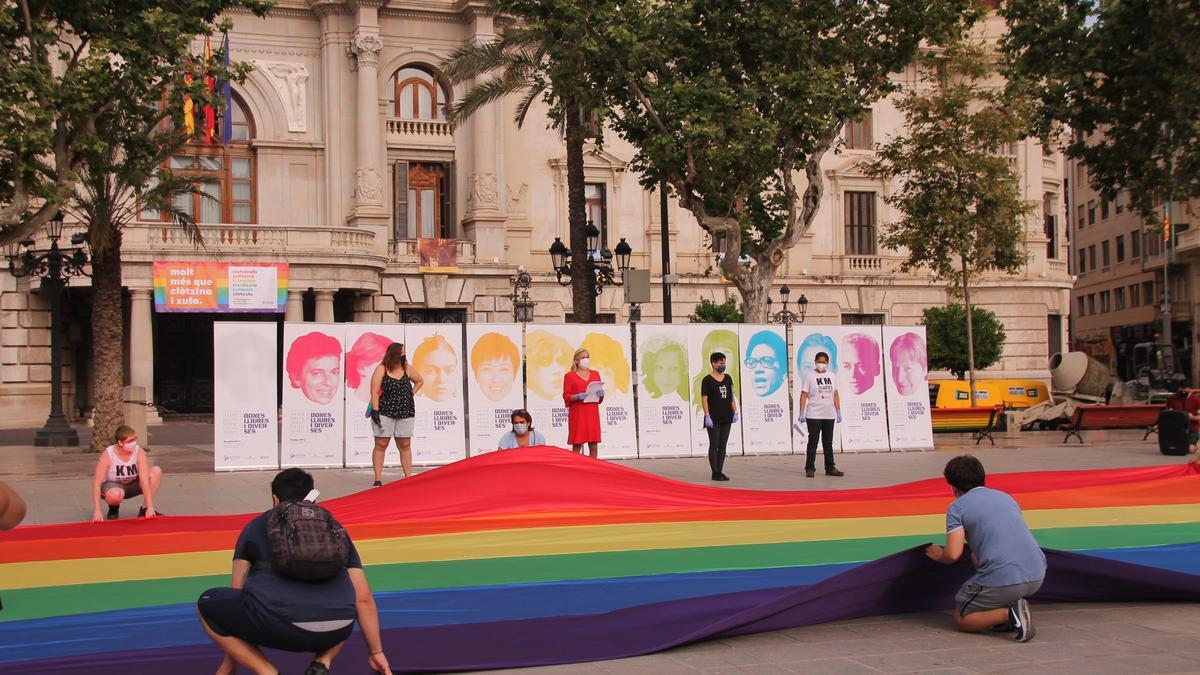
[{"x": 133, "y": 406}]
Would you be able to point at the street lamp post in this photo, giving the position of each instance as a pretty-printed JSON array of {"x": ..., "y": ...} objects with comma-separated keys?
[
  {"x": 54, "y": 267},
  {"x": 600, "y": 260},
  {"x": 785, "y": 315},
  {"x": 522, "y": 304}
]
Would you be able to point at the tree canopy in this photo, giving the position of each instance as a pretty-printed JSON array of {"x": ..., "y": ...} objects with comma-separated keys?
[
  {"x": 946, "y": 333},
  {"x": 708, "y": 311}
]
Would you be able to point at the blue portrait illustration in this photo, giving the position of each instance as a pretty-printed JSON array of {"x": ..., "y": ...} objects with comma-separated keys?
[
  {"x": 812, "y": 345},
  {"x": 765, "y": 365}
]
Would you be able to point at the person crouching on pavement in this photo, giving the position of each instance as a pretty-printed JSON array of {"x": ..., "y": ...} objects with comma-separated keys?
[
  {"x": 1010, "y": 565},
  {"x": 264, "y": 607},
  {"x": 122, "y": 472}
]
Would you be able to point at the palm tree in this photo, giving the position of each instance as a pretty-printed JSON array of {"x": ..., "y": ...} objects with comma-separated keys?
[
  {"x": 519, "y": 62},
  {"x": 113, "y": 188}
]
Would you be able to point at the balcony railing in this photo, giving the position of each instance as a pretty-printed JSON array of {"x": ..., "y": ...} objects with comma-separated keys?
[
  {"x": 422, "y": 133},
  {"x": 404, "y": 251},
  {"x": 864, "y": 264},
  {"x": 276, "y": 239}
]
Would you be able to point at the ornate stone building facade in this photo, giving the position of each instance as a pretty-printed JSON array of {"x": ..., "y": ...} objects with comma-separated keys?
[{"x": 342, "y": 159}]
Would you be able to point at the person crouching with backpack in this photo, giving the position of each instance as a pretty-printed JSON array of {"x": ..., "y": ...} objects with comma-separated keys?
[{"x": 298, "y": 585}]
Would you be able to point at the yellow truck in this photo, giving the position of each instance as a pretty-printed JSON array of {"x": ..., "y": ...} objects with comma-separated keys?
[{"x": 1009, "y": 393}]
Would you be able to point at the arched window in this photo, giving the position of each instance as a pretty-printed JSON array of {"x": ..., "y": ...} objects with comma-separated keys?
[
  {"x": 224, "y": 175},
  {"x": 419, "y": 95}
]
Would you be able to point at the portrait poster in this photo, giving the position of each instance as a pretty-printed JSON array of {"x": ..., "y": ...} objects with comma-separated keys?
[
  {"x": 807, "y": 342},
  {"x": 703, "y": 341},
  {"x": 549, "y": 355},
  {"x": 493, "y": 381},
  {"x": 435, "y": 352},
  {"x": 906, "y": 370},
  {"x": 246, "y": 401},
  {"x": 365, "y": 347},
  {"x": 313, "y": 402},
  {"x": 861, "y": 385},
  {"x": 609, "y": 347},
  {"x": 664, "y": 398},
  {"x": 766, "y": 415}
]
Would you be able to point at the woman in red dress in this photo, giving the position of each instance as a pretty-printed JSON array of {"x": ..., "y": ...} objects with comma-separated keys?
[{"x": 583, "y": 419}]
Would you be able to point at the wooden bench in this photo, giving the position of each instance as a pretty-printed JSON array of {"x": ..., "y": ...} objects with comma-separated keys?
[
  {"x": 980, "y": 421},
  {"x": 1112, "y": 417}
]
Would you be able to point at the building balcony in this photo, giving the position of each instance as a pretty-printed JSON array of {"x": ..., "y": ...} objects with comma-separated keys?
[
  {"x": 404, "y": 252},
  {"x": 419, "y": 133},
  {"x": 1187, "y": 244},
  {"x": 864, "y": 265}
]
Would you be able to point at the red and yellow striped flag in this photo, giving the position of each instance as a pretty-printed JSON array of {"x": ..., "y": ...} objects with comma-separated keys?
[{"x": 210, "y": 83}]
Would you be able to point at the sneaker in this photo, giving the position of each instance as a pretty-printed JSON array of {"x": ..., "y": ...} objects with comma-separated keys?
[
  {"x": 834, "y": 472},
  {"x": 114, "y": 512},
  {"x": 316, "y": 668},
  {"x": 142, "y": 512},
  {"x": 377, "y": 483},
  {"x": 809, "y": 473},
  {"x": 1023, "y": 621},
  {"x": 720, "y": 477}
]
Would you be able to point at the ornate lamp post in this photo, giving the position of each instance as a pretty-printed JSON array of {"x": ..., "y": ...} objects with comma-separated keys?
[
  {"x": 522, "y": 304},
  {"x": 599, "y": 260},
  {"x": 54, "y": 267},
  {"x": 785, "y": 315}
]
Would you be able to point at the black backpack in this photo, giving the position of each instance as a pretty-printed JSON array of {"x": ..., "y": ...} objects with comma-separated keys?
[{"x": 307, "y": 544}]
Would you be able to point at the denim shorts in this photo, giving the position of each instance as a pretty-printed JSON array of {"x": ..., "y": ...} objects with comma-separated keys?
[
  {"x": 228, "y": 611},
  {"x": 131, "y": 489},
  {"x": 393, "y": 427}
]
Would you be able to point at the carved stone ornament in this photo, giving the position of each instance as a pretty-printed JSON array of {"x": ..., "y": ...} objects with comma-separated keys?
[
  {"x": 516, "y": 198},
  {"x": 290, "y": 81},
  {"x": 483, "y": 191},
  {"x": 365, "y": 48},
  {"x": 367, "y": 185}
]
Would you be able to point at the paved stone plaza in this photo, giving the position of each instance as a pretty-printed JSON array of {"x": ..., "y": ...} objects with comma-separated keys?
[{"x": 1106, "y": 638}]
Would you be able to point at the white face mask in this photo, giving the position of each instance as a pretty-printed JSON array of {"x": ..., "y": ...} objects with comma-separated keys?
[
  {"x": 520, "y": 429},
  {"x": 821, "y": 367},
  {"x": 585, "y": 363}
]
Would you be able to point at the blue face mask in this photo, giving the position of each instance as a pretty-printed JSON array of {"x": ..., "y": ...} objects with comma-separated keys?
[
  {"x": 520, "y": 428},
  {"x": 721, "y": 368}
]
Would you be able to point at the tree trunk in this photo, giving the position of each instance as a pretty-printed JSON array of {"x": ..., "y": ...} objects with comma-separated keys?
[
  {"x": 107, "y": 340},
  {"x": 583, "y": 281},
  {"x": 755, "y": 285},
  {"x": 966, "y": 285}
]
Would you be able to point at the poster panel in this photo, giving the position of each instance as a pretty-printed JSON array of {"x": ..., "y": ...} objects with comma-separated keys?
[
  {"x": 807, "y": 342},
  {"x": 549, "y": 351},
  {"x": 664, "y": 399},
  {"x": 493, "y": 381},
  {"x": 313, "y": 402},
  {"x": 435, "y": 351},
  {"x": 861, "y": 385},
  {"x": 365, "y": 346},
  {"x": 766, "y": 415},
  {"x": 609, "y": 347},
  {"x": 906, "y": 371},
  {"x": 246, "y": 402},
  {"x": 220, "y": 287},
  {"x": 703, "y": 340}
]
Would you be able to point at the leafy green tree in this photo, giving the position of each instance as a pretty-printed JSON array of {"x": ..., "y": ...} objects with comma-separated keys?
[
  {"x": 1127, "y": 70},
  {"x": 959, "y": 199},
  {"x": 65, "y": 64},
  {"x": 533, "y": 62},
  {"x": 946, "y": 335},
  {"x": 734, "y": 104},
  {"x": 710, "y": 312}
]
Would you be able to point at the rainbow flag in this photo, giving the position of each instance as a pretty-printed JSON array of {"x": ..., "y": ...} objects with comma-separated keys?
[{"x": 540, "y": 556}]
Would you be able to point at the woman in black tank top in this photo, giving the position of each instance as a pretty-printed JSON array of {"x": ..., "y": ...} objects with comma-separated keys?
[{"x": 393, "y": 410}]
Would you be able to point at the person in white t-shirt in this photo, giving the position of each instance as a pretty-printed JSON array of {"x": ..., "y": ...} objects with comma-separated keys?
[
  {"x": 820, "y": 406},
  {"x": 122, "y": 472}
]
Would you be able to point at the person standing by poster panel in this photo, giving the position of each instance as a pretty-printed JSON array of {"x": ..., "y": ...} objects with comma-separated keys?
[
  {"x": 810, "y": 341},
  {"x": 820, "y": 408},
  {"x": 609, "y": 349},
  {"x": 312, "y": 395},
  {"x": 548, "y": 354},
  {"x": 494, "y": 381},
  {"x": 440, "y": 436},
  {"x": 393, "y": 410},
  {"x": 703, "y": 341},
  {"x": 720, "y": 412},
  {"x": 665, "y": 422},
  {"x": 910, "y": 423},
  {"x": 367, "y": 345},
  {"x": 766, "y": 428},
  {"x": 246, "y": 402},
  {"x": 862, "y": 389},
  {"x": 583, "y": 392}
]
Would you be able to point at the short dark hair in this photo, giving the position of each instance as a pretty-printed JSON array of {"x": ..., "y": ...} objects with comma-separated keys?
[
  {"x": 522, "y": 413},
  {"x": 123, "y": 432},
  {"x": 292, "y": 485},
  {"x": 819, "y": 355},
  {"x": 716, "y": 356},
  {"x": 964, "y": 473}
]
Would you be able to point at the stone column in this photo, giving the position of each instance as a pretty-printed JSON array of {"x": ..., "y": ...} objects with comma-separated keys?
[
  {"x": 484, "y": 219},
  {"x": 295, "y": 306},
  {"x": 141, "y": 346},
  {"x": 324, "y": 312},
  {"x": 365, "y": 46},
  {"x": 331, "y": 85}
]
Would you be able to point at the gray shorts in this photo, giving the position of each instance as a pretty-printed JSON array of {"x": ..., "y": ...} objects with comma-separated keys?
[
  {"x": 973, "y": 597},
  {"x": 131, "y": 489},
  {"x": 393, "y": 427}
]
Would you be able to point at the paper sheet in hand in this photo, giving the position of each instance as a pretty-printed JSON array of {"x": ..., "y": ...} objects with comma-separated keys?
[{"x": 593, "y": 392}]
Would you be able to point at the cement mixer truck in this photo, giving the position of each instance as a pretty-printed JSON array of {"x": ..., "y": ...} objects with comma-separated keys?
[{"x": 1079, "y": 379}]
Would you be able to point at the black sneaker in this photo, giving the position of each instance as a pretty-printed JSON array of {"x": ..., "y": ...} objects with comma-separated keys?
[
  {"x": 142, "y": 512},
  {"x": 809, "y": 473},
  {"x": 834, "y": 472},
  {"x": 720, "y": 477},
  {"x": 377, "y": 483},
  {"x": 114, "y": 512},
  {"x": 316, "y": 668},
  {"x": 1023, "y": 621}
]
